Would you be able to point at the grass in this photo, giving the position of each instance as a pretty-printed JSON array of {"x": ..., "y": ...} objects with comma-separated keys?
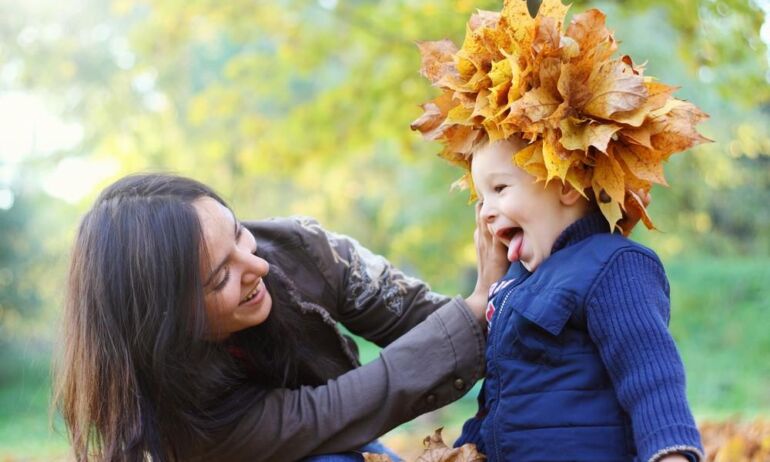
[
  {"x": 25, "y": 431},
  {"x": 720, "y": 319}
]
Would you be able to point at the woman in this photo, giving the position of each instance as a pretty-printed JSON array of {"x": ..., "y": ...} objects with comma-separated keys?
[{"x": 191, "y": 336}]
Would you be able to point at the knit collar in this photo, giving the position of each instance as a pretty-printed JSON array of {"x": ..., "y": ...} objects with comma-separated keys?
[{"x": 593, "y": 223}]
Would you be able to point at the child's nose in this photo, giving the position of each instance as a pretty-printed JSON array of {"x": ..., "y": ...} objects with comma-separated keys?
[{"x": 487, "y": 212}]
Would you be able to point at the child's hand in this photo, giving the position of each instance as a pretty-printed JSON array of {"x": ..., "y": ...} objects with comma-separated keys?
[
  {"x": 491, "y": 263},
  {"x": 632, "y": 216}
]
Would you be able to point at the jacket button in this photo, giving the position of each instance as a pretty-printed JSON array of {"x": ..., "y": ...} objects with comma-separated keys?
[
  {"x": 459, "y": 384},
  {"x": 431, "y": 399}
]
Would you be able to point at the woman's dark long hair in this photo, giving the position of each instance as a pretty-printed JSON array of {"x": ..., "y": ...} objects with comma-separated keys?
[{"x": 136, "y": 377}]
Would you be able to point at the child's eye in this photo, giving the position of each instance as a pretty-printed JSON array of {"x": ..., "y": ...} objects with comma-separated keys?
[{"x": 500, "y": 187}]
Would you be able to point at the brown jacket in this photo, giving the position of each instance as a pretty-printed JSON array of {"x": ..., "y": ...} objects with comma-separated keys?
[{"x": 433, "y": 350}]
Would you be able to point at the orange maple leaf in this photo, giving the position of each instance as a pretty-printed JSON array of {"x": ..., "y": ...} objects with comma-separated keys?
[
  {"x": 437, "y": 451},
  {"x": 593, "y": 121}
]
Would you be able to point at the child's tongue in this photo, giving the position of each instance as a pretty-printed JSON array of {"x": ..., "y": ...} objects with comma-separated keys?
[{"x": 514, "y": 247}]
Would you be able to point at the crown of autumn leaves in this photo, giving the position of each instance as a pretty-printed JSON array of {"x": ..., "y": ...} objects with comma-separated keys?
[{"x": 591, "y": 121}]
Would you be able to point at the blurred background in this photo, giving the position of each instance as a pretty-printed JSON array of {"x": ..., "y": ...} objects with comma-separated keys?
[{"x": 303, "y": 107}]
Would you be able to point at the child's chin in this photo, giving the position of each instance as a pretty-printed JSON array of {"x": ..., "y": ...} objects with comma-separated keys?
[{"x": 530, "y": 265}]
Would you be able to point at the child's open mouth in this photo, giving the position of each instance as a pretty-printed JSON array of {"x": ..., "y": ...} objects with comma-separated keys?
[{"x": 513, "y": 238}]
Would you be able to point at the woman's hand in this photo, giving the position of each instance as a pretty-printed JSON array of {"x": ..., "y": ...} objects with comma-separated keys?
[{"x": 491, "y": 264}]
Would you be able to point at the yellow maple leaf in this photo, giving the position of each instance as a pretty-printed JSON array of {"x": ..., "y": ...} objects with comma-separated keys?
[
  {"x": 530, "y": 159},
  {"x": 657, "y": 96},
  {"x": 592, "y": 121},
  {"x": 643, "y": 163},
  {"x": 552, "y": 9},
  {"x": 581, "y": 134},
  {"x": 535, "y": 105},
  {"x": 557, "y": 159},
  {"x": 430, "y": 123},
  {"x": 675, "y": 127},
  {"x": 594, "y": 40},
  {"x": 609, "y": 188},
  {"x": 437, "y": 59},
  {"x": 614, "y": 88},
  {"x": 640, "y": 136}
]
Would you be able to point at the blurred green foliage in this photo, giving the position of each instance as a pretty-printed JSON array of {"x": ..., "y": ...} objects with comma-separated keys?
[
  {"x": 303, "y": 107},
  {"x": 300, "y": 106}
]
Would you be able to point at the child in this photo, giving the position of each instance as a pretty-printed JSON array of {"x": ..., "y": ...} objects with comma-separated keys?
[{"x": 556, "y": 137}]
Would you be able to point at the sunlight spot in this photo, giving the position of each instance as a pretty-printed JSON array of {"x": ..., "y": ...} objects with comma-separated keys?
[
  {"x": 29, "y": 128},
  {"x": 6, "y": 199},
  {"x": 706, "y": 74},
  {"x": 74, "y": 178},
  {"x": 328, "y": 4}
]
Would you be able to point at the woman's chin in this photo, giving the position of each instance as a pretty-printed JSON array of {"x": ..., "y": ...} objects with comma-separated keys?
[{"x": 261, "y": 311}]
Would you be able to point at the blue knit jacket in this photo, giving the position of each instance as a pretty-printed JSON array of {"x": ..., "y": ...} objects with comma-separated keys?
[{"x": 580, "y": 363}]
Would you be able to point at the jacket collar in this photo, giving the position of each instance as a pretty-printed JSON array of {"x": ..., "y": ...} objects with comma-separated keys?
[{"x": 593, "y": 223}]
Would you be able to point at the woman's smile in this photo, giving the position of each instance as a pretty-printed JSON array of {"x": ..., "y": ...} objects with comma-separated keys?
[
  {"x": 256, "y": 295},
  {"x": 239, "y": 299}
]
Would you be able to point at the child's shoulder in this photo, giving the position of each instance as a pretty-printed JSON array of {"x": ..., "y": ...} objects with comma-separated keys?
[
  {"x": 590, "y": 259},
  {"x": 620, "y": 258},
  {"x": 612, "y": 245}
]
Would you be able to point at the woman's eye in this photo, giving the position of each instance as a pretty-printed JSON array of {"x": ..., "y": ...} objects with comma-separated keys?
[{"x": 224, "y": 280}]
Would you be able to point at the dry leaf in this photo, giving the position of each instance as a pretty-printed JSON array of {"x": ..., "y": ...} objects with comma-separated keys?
[
  {"x": 736, "y": 441},
  {"x": 437, "y": 59},
  {"x": 592, "y": 121},
  {"x": 437, "y": 451},
  {"x": 642, "y": 163},
  {"x": 614, "y": 88},
  {"x": 580, "y": 135},
  {"x": 371, "y": 457}
]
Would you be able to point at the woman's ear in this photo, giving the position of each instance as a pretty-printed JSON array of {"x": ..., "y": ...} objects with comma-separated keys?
[{"x": 569, "y": 195}]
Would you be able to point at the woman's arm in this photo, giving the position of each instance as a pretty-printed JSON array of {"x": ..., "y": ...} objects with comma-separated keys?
[
  {"x": 358, "y": 288},
  {"x": 433, "y": 364}
]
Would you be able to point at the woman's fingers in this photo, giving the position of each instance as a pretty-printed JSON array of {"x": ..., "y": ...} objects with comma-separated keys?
[
  {"x": 491, "y": 255},
  {"x": 491, "y": 263}
]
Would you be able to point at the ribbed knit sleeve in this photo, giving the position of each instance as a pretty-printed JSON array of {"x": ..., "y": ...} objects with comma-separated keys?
[{"x": 627, "y": 314}]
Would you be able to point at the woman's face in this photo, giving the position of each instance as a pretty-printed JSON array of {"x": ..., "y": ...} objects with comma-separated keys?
[{"x": 235, "y": 293}]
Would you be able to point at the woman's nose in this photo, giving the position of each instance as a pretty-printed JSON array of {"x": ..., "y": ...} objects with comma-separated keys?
[
  {"x": 262, "y": 267},
  {"x": 256, "y": 267}
]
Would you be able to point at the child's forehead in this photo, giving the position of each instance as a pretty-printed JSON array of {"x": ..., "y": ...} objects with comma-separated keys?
[
  {"x": 500, "y": 152},
  {"x": 497, "y": 163},
  {"x": 510, "y": 145}
]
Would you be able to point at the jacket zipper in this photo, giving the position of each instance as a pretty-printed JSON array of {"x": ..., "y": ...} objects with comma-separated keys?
[{"x": 494, "y": 332}]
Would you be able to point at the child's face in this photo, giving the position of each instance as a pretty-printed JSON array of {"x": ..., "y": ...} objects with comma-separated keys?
[{"x": 526, "y": 216}]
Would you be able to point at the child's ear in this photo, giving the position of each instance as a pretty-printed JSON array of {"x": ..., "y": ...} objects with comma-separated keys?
[{"x": 569, "y": 195}]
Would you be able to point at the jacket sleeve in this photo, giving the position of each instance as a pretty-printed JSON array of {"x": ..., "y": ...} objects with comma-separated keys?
[
  {"x": 627, "y": 313},
  {"x": 371, "y": 298},
  {"x": 430, "y": 366}
]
